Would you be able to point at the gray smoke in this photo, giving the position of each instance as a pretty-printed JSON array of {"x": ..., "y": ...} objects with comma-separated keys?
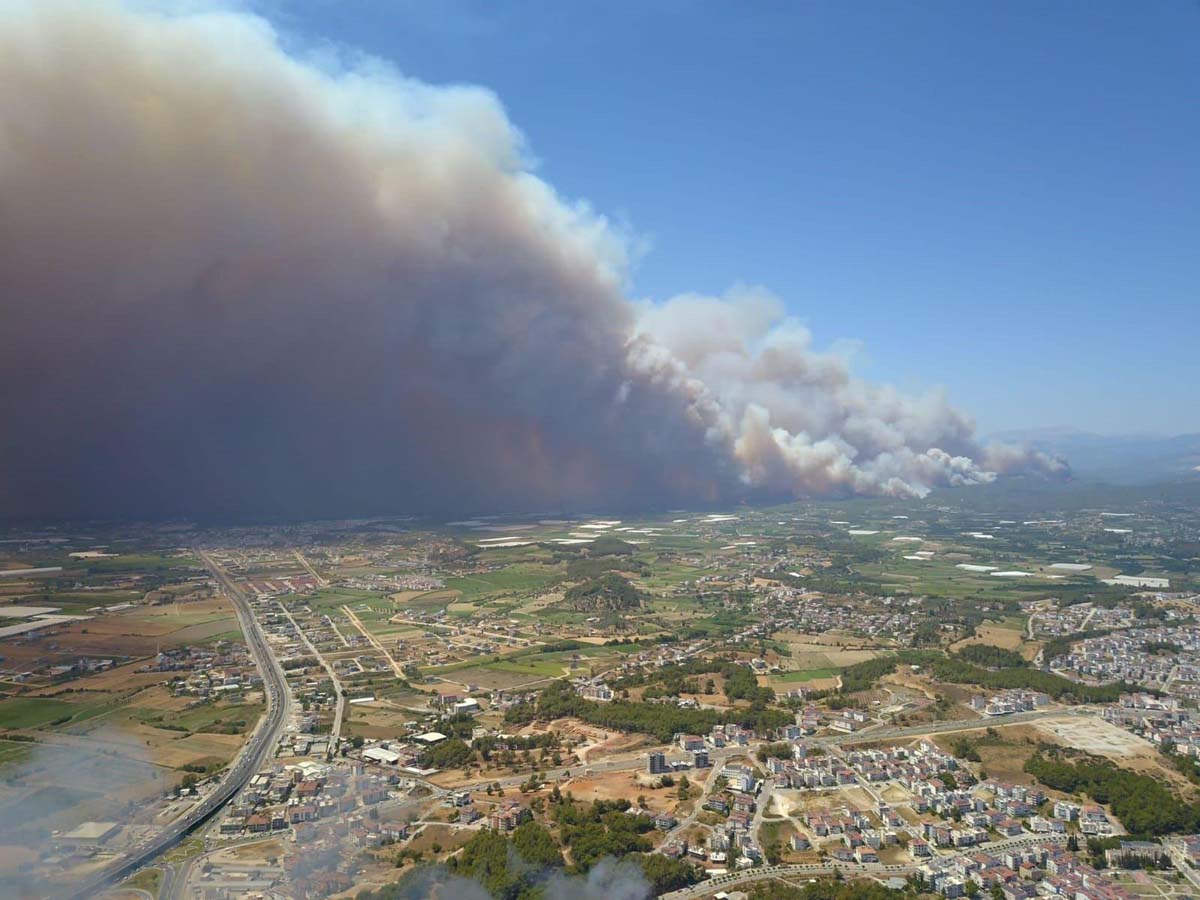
[
  {"x": 104, "y": 775},
  {"x": 235, "y": 281},
  {"x": 609, "y": 879},
  {"x": 436, "y": 883}
]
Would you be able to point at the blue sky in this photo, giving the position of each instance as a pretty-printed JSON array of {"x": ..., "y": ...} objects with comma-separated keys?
[{"x": 1001, "y": 198}]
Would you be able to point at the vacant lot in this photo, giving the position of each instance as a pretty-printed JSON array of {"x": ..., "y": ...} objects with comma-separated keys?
[
  {"x": 1096, "y": 736},
  {"x": 796, "y": 803},
  {"x": 624, "y": 786},
  {"x": 994, "y": 636},
  {"x": 1129, "y": 751}
]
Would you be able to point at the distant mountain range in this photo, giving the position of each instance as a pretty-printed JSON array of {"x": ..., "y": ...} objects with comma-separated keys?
[{"x": 1117, "y": 459}]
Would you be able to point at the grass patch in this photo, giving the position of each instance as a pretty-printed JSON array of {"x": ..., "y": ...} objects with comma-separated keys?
[
  {"x": 148, "y": 880},
  {"x": 14, "y": 751},
  {"x": 37, "y": 712}
]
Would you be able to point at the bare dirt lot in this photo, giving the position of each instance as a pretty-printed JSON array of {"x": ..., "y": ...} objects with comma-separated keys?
[
  {"x": 1102, "y": 738},
  {"x": 623, "y": 786},
  {"x": 1096, "y": 736},
  {"x": 993, "y": 636},
  {"x": 795, "y": 803}
]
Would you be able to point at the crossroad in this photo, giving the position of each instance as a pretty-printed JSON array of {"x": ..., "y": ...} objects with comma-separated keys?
[{"x": 397, "y": 669}]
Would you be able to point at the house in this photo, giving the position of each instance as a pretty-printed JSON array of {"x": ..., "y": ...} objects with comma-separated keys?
[
  {"x": 468, "y": 707},
  {"x": 257, "y": 824},
  {"x": 1066, "y": 811},
  {"x": 866, "y": 854},
  {"x": 740, "y": 778},
  {"x": 508, "y": 816},
  {"x": 690, "y": 743},
  {"x": 1009, "y": 827},
  {"x": 1093, "y": 820}
]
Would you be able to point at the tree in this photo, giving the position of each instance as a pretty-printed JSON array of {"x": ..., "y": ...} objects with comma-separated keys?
[{"x": 971, "y": 889}]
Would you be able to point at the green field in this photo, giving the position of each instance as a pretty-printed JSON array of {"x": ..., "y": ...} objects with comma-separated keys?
[
  {"x": 522, "y": 577},
  {"x": 39, "y": 712},
  {"x": 211, "y": 719},
  {"x": 148, "y": 880},
  {"x": 14, "y": 751}
]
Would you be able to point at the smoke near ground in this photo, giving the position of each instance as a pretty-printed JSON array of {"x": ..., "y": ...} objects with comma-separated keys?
[
  {"x": 235, "y": 281},
  {"x": 102, "y": 776},
  {"x": 609, "y": 879}
]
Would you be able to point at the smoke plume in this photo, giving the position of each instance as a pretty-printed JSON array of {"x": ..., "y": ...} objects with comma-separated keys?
[
  {"x": 105, "y": 775},
  {"x": 238, "y": 281},
  {"x": 609, "y": 879}
]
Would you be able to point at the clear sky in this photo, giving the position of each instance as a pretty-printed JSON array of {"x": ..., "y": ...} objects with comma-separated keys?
[{"x": 1001, "y": 198}]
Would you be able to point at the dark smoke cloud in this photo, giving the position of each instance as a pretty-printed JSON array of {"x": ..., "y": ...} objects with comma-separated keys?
[{"x": 238, "y": 282}]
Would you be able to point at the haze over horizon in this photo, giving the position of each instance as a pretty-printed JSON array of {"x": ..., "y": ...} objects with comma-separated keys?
[{"x": 292, "y": 279}]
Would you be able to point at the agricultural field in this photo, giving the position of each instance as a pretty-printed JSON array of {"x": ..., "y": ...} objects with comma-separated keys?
[{"x": 89, "y": 730}]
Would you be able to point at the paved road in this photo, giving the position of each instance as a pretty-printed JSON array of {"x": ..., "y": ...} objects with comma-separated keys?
[
  {"x": 323, "y": 582},
  {"x": 373, "y": 641},
  {"x": 340, "y": 697},
  {"x": 761, "y": 805},
  {"x": 248, "y": 762},
  {"x": 718, "y": 757},
  {"x": 1174, "y": 848}
]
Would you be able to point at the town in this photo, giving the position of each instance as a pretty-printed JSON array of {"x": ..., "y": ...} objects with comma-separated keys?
[{"x": 724, "y": 701}]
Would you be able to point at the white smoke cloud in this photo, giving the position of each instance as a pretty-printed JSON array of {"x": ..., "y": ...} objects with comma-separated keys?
[
  {"x": 798, "y": 420},
  {"x": 609, "y": 879},
  {"x": 105, "y": 775},
  {"x": 237, "y": 281}
]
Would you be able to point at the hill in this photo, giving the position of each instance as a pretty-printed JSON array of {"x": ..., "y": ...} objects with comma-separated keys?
[{"x": 606, "y": 593}]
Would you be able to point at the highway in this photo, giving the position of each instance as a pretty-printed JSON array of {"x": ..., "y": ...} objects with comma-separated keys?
[
  {"x": 248, "y": 762},
  {"x": 267, "y": 733}
]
